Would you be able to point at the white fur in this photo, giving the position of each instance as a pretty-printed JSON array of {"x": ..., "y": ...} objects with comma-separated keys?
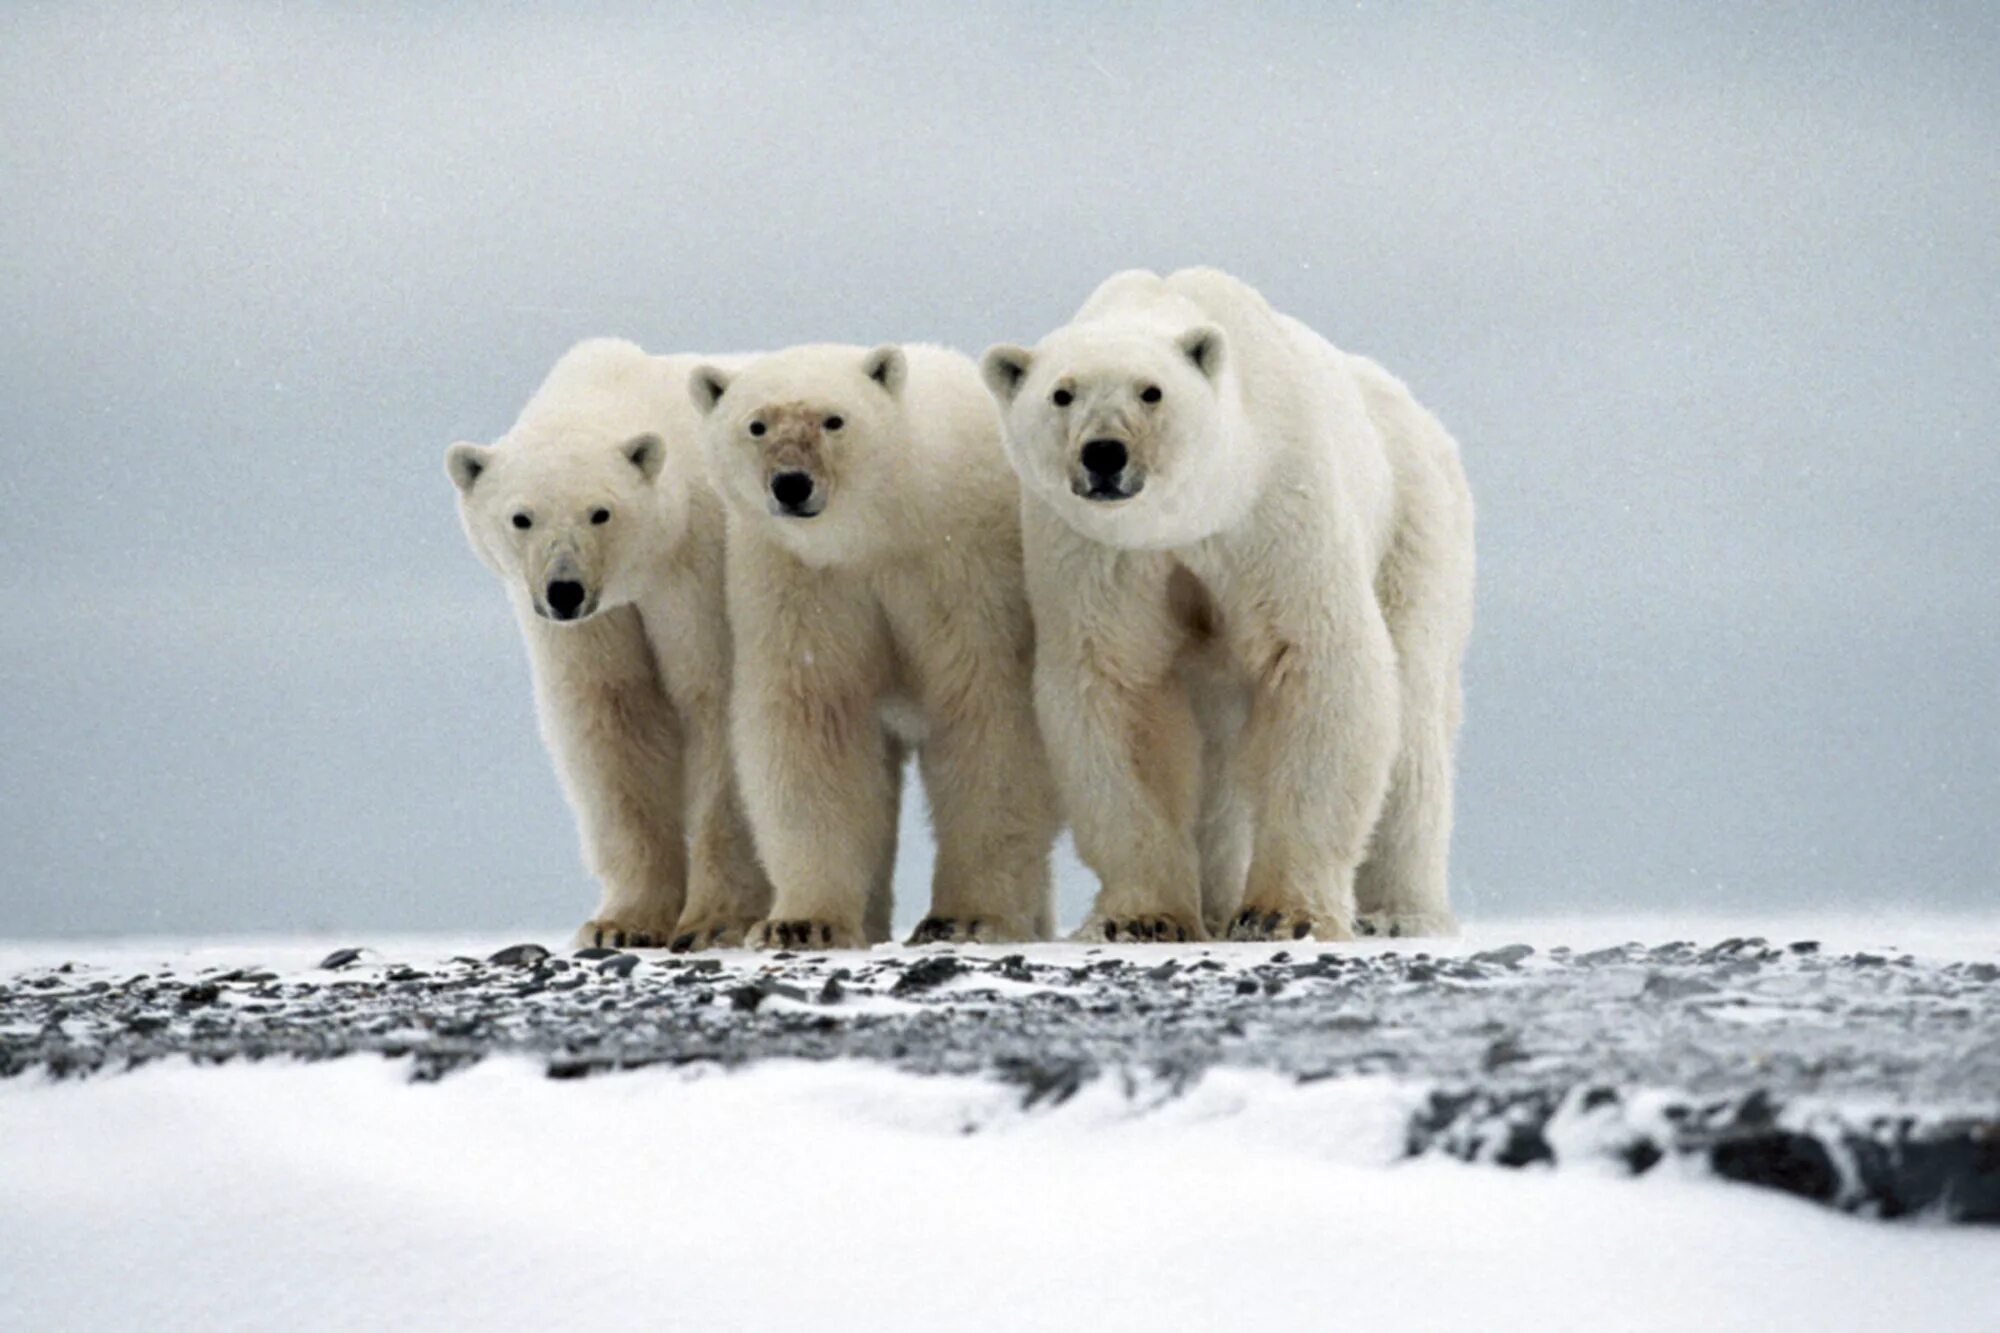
[
  {"x": 633, "y": 697},
  {"x": 894, "y": 616},
  {"x": 1248, "y": 670}
]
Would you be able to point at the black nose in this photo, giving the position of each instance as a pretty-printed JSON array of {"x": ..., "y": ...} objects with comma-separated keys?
[
  {"x": 792, "y": 489},
  {"x": 565, "y": 597},
  {"x": 1104, "y": 458}
]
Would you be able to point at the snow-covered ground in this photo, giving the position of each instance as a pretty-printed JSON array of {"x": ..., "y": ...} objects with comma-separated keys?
[{"x": 846, "y": 1193}]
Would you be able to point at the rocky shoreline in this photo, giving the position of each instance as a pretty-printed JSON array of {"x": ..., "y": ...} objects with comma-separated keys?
[{"x": 1867, "y": 1082}]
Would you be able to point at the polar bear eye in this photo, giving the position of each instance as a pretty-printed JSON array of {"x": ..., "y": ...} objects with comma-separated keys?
[
  {"x": 523, "y": 522},
  {"x": 1150, "y": 394},
  {"x": 756, "y": 428},
  {"x": 834, "y": 423},
  {"x": 600, "y": 516},
  {"x": 1062, "y": 397}
]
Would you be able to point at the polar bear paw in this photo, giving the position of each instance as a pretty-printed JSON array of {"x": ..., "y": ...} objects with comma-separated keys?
[
  {"x": 1259, "y": 925},
  {"x": 803, "y": 933},
  {"x": 1141, "y": 928},
  {"x": 710, "y": 932},
  {"x": 1405, "y": 925},
  {"x": 970, "y": 930},
  {"x": 620, "y": 932}
]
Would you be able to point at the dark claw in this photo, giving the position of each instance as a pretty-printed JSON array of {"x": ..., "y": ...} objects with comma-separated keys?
[
  {"x": 826, "y": 934},
  {"x": 682, "y": 943},
  {"x": 1271, "y": 922},
  {"x": 1300, "y": 931}
]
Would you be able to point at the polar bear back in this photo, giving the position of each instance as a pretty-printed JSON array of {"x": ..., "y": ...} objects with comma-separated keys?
[{"x": 960, "y": 426}]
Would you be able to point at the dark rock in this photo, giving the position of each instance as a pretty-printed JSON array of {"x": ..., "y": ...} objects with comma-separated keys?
[
  {"x": 519, "y": 955},
  {"x": 748, "y": 997},
  {"x": 338, "y": 959},
  {"x": 1791, "y": 1162},
  {"x": 926, "y": 974}
]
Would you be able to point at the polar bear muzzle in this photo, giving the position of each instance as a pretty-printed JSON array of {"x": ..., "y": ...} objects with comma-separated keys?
[
  {"x": 1106, "y": 472},
  {"x": 562, "y": 594},
  {"x": 796, "y": 493}
]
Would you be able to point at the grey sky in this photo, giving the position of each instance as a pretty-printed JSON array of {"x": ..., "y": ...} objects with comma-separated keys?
[{"x": 1709, "y": 293}]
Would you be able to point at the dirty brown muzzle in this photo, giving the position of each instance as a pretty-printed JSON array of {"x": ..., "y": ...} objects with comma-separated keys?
[{"x": 794, "y": 470}]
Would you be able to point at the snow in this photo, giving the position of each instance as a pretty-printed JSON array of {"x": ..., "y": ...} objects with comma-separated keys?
[
  {"x": 834, "y": 1196},
  {"x": 341, "y": 1194}
]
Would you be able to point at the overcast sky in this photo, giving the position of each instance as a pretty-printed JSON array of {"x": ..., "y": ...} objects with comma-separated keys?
[{"x": 1709, "y": 294}]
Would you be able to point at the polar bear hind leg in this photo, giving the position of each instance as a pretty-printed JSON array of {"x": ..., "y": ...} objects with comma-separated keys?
[{"x": 1425, "y": 590}]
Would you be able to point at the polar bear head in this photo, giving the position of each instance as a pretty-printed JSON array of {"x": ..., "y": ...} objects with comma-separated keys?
[
  {"x": 573, "y": 507},
  {"x": 809, "y": 443},
  {"x": 1123, "y": 427}
]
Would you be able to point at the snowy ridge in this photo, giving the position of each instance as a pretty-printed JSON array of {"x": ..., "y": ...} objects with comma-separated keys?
[{"x": 1868, "y": 1081}]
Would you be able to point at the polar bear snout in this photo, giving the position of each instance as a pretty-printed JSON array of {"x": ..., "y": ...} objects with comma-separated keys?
[
  {"x": 1105, "y": 471},
  {"x": 562, "y": 593},
  {"x": 566, "y": 599},
  {"x": 1104, "y": 458},
  {"x": 796, "y": 494}
]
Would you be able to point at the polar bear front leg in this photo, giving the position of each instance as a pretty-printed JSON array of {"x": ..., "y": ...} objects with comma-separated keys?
[
  {"x": 1126, "y": 754},
  {"x": 1117, "y": 727},
  {"x": 727, "y": 891},
  {"x": 1317, "y": 754},
  {"x": 993, "y": 809},
  {"x": 616, "y": 741},
  {"x": 811, "y": 663}
]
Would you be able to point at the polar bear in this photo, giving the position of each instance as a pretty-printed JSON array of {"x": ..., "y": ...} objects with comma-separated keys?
[
  {"x": 877, "y": 602},
  {"x": 595, "y": 511},
  {"x": 1250, "y": 557}
]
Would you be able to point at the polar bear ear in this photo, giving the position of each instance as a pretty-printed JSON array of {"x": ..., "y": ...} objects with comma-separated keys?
[
  {"x": 1005, "y": 368},
  {"x": 646, "y": 453},
  {"x": 707, "y": 385},
  {"x": 464, "y": 461},
  {"x": 888, "y": 367},
  {"x": 1203, "y": 345}
]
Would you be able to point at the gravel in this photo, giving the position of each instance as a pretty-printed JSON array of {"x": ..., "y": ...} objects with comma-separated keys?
[{"x": 1865, "y": 1081}]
